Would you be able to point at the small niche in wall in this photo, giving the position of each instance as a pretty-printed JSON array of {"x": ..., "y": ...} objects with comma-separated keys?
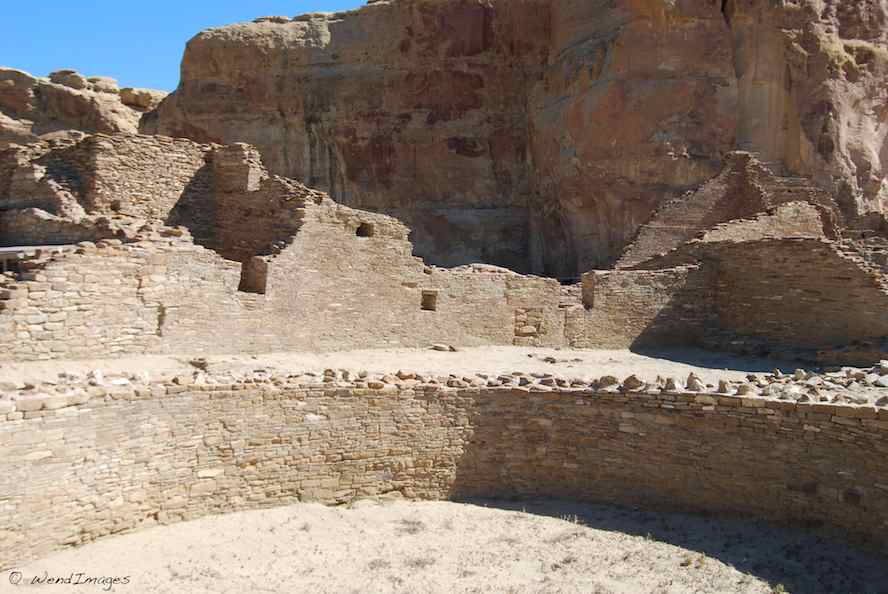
[
  {"x": 365, "y": 230},
  {"x": 429, "y": 301},
  {"x": 254, "y": 276},
  {"x": 11, "y": 265}
]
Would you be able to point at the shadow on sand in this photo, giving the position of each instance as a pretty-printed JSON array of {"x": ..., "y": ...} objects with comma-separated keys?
[
  {"x": 717, "y": 360},
  {"x": 799, "y": 561}
]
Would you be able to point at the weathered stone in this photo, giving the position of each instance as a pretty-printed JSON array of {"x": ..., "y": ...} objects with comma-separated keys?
[
  {"x": 65, "y": 105},
  {"x": 695, "y": 384},
  {"x": 607, "y": 381},
  {"x": 632, "y": 383}
]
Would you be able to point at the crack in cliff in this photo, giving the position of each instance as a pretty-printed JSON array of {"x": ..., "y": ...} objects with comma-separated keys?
[
  {"x": 726, "y": 9},
  {"x": 285, "y": 124}
]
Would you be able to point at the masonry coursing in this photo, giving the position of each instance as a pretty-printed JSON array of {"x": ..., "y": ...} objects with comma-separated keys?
[
  {"x": 200, "y": 241},
  {"x": 110, "y": 459}
]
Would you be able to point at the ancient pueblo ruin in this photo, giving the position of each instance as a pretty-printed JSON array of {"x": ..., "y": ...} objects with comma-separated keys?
[{"x": 452, "y": 176}]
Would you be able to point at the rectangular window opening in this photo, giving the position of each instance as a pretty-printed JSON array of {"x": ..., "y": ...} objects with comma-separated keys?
[
  {"x": 430, "y": 301},
  {"x": 254, "y": 276}
]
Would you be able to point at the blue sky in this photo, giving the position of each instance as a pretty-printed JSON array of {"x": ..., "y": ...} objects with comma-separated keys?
[{"x": 138, "y": 43}]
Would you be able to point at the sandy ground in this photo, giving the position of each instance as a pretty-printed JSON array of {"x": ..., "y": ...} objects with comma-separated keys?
[
  {"x": 449, "y": 547},
  {"x": 494, "y": 360}
]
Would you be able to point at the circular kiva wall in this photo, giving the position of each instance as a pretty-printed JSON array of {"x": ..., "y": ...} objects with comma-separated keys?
[{"x": 73, "y": 471}]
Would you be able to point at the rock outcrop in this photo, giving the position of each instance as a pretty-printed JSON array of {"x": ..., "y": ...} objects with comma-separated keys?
[
  {"x": 67, "y": 105},
  {"x": 536, "y": 135},
  {"x": 541, "y": 134}
]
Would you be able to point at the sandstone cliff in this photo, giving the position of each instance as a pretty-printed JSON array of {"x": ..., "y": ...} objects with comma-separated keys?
[
  {"x": 541, "y": 134},
  {"x": 67, "y": 105}
]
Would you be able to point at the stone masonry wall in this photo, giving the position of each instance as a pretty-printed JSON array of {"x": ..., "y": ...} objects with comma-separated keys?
[
  {"x": 798, "y": 292},
  {"x": 347, "y": 279},
  {"x": 363, "y": 292},
  {"x": 141, "y": 176},
  {"x": 34, "y": 226},
  {"x": 77, "y": 468},
  {"x": 793, "y": 219},
  {"x": 624, "y": 309},
  {"x": 331, "y": 288},
  {"x": 83, "y": 304},
  {"x": 745, "y": 188}
]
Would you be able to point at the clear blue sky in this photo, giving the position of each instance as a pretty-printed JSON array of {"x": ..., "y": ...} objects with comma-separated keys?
[{"x": 138, "y": 43}]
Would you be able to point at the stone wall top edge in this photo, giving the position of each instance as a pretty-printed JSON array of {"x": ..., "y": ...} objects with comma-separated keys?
[{"x": 33, "y": 404}]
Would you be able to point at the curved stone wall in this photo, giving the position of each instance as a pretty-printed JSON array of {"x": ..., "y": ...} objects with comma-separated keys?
[{"x": 73, "y": 469}]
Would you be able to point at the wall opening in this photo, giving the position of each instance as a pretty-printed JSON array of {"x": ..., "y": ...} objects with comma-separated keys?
[
  {"x": 254, "y": 276},
  {"x": 430, "y": 301},
  {"x": 161, "y": 319},
  {"x": 365, "y": 230},
  {"x": 12, "y": 266}
]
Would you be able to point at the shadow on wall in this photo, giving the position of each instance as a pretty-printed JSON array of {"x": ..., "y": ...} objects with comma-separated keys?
[
  {"x": 775, "y": 555},
  {"x": 455, "y": 237},
  {"x": 193, "y": 210},
  {"x": 634, "y": 309},
  {"x": 612, "y": 451},
  {"x": 658, "y": 451}
]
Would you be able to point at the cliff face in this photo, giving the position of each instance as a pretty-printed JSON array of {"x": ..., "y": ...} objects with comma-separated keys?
[
  {"x": 541, "y": 134},
  {"x": 812, "y": 92}
]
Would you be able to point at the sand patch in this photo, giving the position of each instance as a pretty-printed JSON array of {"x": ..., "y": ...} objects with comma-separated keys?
[{"x": 441, "y": 547}]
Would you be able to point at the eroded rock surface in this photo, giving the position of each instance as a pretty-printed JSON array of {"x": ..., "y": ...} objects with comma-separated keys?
[
  {"x": 67, "y": 105},
  {"x": 542, "y": 134}
]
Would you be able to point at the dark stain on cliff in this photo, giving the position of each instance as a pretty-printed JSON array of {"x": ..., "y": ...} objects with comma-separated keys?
[{"x": 466, "y": 147}]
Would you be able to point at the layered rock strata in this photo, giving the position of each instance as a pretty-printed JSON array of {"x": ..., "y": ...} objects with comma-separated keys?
[{"x": 540, "y": 135}]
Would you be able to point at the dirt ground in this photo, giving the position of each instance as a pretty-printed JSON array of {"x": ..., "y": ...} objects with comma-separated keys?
[
  {"x": 493, "y": 360},
  {"x": 438, "y": 547}
]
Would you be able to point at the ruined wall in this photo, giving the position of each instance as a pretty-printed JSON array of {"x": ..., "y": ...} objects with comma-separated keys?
[
  {"x": 794, "y": 219},
  {"x": 733, "y": 194},
  {"x": 743, "y": 190},
  {"x": 346, "y": 279},
  {"x": 247, "y": 214},
  {"x": 13, "y": 159},
  {"x": 33, "y": 226},
  {"x": 284, "y": 266},
  {"x": 79, "y": 305},
  {"x": 140, "y": 176},
  {"x": 791, "y": 220},
  {"x": 123, "y": 177},
  {"x": 43, "y": 175},
  {"x": 623, "y": 309},
  {"x": 801, "y": 292},
  {"x": 368, "y": 291},
  {"x": 80, "y": 467}
]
